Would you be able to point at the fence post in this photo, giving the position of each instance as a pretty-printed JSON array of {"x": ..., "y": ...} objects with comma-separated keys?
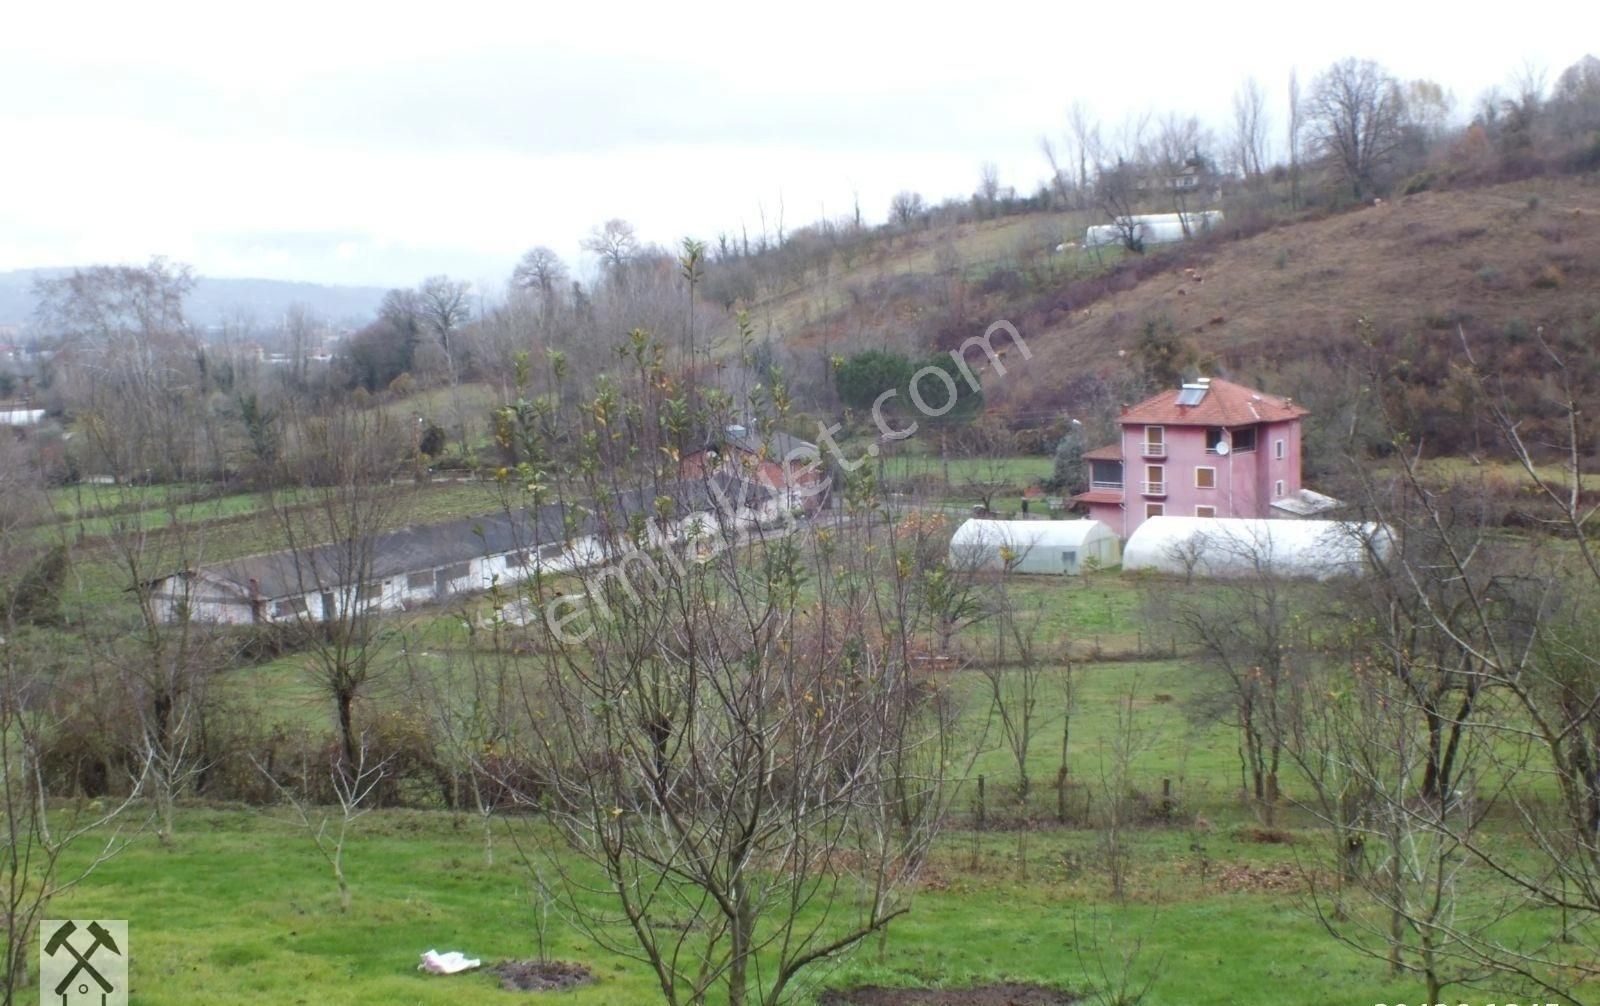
[
  {"x": 982, "y": 816},
  {"x": 1061, "y": 795}
]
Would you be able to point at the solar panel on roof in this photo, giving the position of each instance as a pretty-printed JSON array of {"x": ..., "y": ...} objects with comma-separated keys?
[{"x": 1191, "y": 394}]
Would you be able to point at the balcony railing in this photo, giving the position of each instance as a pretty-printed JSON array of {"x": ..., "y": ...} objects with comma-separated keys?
[
  {"x": 1155, "y": 488},
  {"x": 1109, "y": 486},
  {"x": 1153, "y": 450}
]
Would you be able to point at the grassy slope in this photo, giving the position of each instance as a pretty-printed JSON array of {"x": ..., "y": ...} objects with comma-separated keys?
[
  {"x": 1476, "y": 252},
  {"x": 244, "y": 907},
  {"x": 1405, "y": 265}
]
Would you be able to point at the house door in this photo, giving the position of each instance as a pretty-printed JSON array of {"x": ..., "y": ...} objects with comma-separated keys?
[{"x": 1069, "y": 561}]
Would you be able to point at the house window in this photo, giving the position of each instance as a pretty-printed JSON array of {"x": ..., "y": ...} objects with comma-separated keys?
[
  {"x": 1205, "y": 478},
  {"x": 1154, "y": 509},
  {"x": 1105, "y": 475},
  {"x": 1277, "y": 488},
  {"x": 1214, "y": 436},
  {"x": 1279, "y": 449},
  {"x": 1244, "y": 440},
  {"x": 293, "y": 606},
  {"x": 1155, "y": 480},
  {"x": 551, "y": 551},
  {"x": 460, "y": 571},
  {"x": 419, "y": 581},
  {"x": 1205, "y": 511},
  {"x": 1155, "y": 441},
  {"x": 370, "y": 591}
]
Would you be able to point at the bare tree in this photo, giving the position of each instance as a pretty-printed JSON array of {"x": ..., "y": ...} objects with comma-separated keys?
[
  {"x": 330, "y": 524},
  {"x": 1295, "y": 124},
  {"x": 541, "y": 270},
  {"x": 1016, "y": 678},
  {"x": 754, "y": 773},
  {"x": 46, "y": 847},
  {"x": 989, "y": 184},
  {"x": 354, "y": 782},
  {"x": 1249, "y": 135},
  {"x": 444, "y": 309},
  {"x": 1252, "y": 642},
  {"x": 616, "y": 242},
  {"x": 1119, "y": 756},
  {"x": 1083, "y": 137},
  {"x": 1180, "y": 148},
  {"x": 906, "y": 208},
  {"x": 299, "y": 329},
  {"x": 1355, "y": 111},
  {"x": 164, "y": 659},
  {"x": 129, "y": 363}
]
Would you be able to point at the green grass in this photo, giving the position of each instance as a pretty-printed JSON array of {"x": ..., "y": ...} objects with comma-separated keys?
[{"x": 242, "y": 907}]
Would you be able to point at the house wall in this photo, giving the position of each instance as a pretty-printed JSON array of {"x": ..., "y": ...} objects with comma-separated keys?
[{"x": 1244, "y": 483}]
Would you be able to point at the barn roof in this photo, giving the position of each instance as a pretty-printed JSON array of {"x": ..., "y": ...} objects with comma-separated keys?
[
  {"x": 292, "y": 572},
  {"x": 1221, "y": 403}
]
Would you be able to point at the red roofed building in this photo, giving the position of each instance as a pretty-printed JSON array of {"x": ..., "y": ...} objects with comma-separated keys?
[{"x": 1207, "y": 449}]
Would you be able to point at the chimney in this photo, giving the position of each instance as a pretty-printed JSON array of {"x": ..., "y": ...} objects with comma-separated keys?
[{"x": 1124, "y": 408}]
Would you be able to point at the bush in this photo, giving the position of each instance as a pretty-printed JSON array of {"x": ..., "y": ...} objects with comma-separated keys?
[
  {"x": 36, "y": 599},
  {"x": 1422, "y": 181}
]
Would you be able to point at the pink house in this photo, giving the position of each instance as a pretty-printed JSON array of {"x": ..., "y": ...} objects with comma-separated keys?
[{"x": 1208, "y": 449}]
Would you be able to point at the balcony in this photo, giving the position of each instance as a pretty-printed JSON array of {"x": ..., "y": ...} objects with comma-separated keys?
[
  {"x": 1154, "y": 488},
  {"x": 1096, "y": 484},
  {"x": 1148, "y": 450}
]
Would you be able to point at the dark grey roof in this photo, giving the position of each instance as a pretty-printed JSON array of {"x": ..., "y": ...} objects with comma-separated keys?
[{"x": 429, "y": 546}]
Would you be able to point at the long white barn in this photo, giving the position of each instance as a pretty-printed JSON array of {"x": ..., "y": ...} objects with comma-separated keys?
[{"x": 401, "y": 569}]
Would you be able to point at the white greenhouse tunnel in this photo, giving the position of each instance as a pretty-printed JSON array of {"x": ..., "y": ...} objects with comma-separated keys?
[
  {"x": 1235, "y": 547},
  {"x": 1059, "y": 547}
]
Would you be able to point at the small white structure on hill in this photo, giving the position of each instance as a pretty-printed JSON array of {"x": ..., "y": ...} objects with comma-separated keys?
[
  {"x": 1153, "y": 228},
  {"x": 1061, "y": 547},
  {"x": 1236, "y": 546}
]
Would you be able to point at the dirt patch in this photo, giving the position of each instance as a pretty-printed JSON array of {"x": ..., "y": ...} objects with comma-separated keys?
[
  {"x": 1253, "y": 878},
  {"x": 540, "y": 976},
  {"x": 1264, "y": 836},
  {"x": 1004, "y": 994}
]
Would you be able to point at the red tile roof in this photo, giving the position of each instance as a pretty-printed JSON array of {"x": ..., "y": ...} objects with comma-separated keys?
[
  {"x": 1098, "y": 496},
  {"x": 1110, "y": 452},
  {"x": 1224, "y": 404}
]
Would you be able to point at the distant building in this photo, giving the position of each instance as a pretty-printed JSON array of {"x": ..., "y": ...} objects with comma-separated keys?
[
  {"x": 792, "y": 468},
  {"x": 413, "y": 566},
  {"x": 1207, "y": 449},
  {"x": 20, "y": 416}
]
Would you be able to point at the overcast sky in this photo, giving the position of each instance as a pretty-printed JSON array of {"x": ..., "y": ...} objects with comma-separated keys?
[{"x": 350, "y": 143}]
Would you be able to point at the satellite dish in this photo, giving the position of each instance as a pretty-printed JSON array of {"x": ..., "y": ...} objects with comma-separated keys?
[{"x": 1222, "y": 448}]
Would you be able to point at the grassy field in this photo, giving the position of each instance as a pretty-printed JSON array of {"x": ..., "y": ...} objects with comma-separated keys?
[{"x": 242, "y": 907}]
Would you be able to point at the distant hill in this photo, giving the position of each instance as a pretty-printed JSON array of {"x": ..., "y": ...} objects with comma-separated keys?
[
  {"x": 216, "y": 299},
  {"x": 1284, "y": 309}
]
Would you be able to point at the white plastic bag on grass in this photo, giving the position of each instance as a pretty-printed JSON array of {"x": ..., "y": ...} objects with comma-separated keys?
[{"x": 448, "y": 963}]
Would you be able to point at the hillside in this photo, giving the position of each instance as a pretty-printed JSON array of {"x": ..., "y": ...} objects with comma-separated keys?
[
  {"x": 1494, "y": 259},
  {"x": 1275, "y": 307}
]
